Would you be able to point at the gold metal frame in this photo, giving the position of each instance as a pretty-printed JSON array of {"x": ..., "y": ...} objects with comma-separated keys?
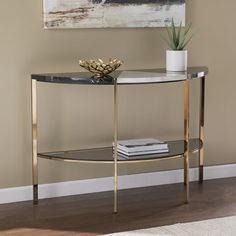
[
  {"x": 186, "y": 139},
  {"x": 201, "y": 127},
  {"x": 115, "y": 140},
  {"x": 34, "y": 140}
]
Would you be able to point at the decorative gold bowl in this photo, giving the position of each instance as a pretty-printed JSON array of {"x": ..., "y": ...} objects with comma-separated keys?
[{"x": 99, "y": 67}]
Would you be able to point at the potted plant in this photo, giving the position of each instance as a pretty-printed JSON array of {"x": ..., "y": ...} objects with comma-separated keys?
[{"x": 178, "y": 38}]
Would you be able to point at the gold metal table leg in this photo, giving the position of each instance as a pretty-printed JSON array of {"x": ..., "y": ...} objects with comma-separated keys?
[
  {"x": 115, "y": 140},
  {"x": 201, "y": 128},
  {"x": 186, "y": 139},
  {"x": 34, "y": 141}
]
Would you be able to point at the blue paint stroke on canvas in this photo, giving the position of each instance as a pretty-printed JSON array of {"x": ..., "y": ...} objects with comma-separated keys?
[{"x": 112, "y": 13}]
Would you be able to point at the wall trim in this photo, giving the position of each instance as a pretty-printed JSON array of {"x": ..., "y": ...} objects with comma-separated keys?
[{"x": 18, "y": 194}]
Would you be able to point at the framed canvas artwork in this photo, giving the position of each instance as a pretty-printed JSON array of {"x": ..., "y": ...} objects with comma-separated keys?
[{"x": 112, "y": 13}]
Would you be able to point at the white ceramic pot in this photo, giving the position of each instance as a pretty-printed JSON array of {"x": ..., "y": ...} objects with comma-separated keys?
[{"x": 176, "y": 60}]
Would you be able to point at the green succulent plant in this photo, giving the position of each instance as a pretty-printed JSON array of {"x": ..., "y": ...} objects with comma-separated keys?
[{"x": 178, "y": 37}]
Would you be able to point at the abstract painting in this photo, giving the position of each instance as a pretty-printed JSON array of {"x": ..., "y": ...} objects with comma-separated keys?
[{"x": 112, "y": 13}]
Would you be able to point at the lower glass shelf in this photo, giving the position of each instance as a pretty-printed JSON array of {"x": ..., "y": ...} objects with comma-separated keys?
[{"x": 104, "y": 155}]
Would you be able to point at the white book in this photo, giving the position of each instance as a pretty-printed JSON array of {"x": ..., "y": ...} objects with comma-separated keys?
[
  {"x": 134, "y": 145},
  {"x": 142, "y": 148},
  {"x": 144, "y": 152},
  {"x": 122, "y": 156}
]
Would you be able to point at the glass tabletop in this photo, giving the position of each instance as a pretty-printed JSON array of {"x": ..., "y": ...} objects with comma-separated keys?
[
  {"x": 145, "y": 76},
  {"x": 104, "y": 155}
]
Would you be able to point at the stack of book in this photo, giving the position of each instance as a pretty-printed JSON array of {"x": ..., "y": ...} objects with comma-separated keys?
[{"x": 136, "y": 147}]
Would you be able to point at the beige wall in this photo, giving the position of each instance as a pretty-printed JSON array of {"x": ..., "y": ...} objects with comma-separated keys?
[{"x": 80, "y": 116}]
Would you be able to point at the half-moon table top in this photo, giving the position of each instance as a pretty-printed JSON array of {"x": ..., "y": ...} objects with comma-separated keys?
[{"x": 143, "y": 76}]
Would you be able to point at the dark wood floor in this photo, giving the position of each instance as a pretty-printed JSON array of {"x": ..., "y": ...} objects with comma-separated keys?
[{"x": 91, "y": 214}]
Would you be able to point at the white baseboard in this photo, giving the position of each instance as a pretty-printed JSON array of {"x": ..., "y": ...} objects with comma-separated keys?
[{"x": 24, "y": 193}]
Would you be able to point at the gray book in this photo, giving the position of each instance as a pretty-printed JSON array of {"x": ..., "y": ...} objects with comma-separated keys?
[{"x": 141, "y": 145}]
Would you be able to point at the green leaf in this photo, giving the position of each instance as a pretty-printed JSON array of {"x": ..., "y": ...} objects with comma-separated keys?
[
  {"x": 174, "y": 32},
  {"x": 181, "y": 42},
  {"x": 188, "y": 28},
  {"x": 171, "y": 38},
  {"x": 179, "y": 34},
  {"x": 186, "y": 43}
]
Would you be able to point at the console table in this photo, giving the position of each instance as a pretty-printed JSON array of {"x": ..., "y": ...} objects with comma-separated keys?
[{"x": 177, "y": 149}]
